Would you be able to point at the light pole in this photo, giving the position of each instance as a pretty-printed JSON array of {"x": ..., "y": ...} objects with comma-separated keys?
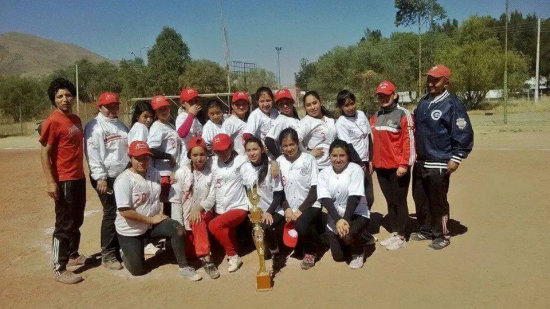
[
  {"x": 278, "y": 49},
  {"x": 141, "y": 50}
]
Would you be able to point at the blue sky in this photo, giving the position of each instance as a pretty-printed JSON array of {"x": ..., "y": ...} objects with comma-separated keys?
[{"x": 305, "y": 29}]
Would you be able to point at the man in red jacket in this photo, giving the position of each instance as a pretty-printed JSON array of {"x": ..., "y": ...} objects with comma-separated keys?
[{"x": 393, "y": 155}]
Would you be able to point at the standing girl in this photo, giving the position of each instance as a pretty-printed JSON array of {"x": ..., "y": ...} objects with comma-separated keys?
[
  {"x": 193, "y": 197},
  {"x": 316, "y": 130},
  {"x": 353, "y": 128},
  {"x": 287, "y": 118},
  {"x": 298, "y": 173},
  {"x": 187, "y": 124},
  {"x": 231, "y": 201},
  {"x": 393, "y": 155},
  {"x": 213, "y": 126},
  {"x": 234, "y": 125},
  {"x": 165, "y": 145},
  {"x": 106, "y": 151},
  {"x": 142, "y": 118},
  {"x": 260, "y": 120},
  {"x": 341, "y": 191},
  {"x": 137, "y": 194},
  {"x": 257, "y": 171}
]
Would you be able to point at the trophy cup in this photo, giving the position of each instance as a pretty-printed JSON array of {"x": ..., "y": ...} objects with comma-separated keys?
[{"x": 263, "y": 277}]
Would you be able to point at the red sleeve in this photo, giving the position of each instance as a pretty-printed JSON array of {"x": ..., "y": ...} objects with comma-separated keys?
[
  {"x": 48, "y": 132},
  {"x": 407, "y": 142},
  {"x": 184, "y": 129}
]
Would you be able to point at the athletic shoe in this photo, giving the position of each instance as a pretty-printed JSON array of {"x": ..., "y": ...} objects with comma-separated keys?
[
  {"x": 151, "y": 249},
  {"x": 308, "y": 261},
  {"x": 439, "y": 243},
  {"x": 78, "y": 261},
  {"x": 112, "y": 264},
  {"x": 68, "y": 277},
  {"x": 211, "y": 270},
  {"x": 234, "y": 263},
  {"x": 189, "y": 273},
  {"x": 398, "y": 242},
  {"x": 389, "y": 240},
  {"x": 357, "y": 261},
  {"x": 419, "y": 236},
  {"x": 370, "y": 240}
]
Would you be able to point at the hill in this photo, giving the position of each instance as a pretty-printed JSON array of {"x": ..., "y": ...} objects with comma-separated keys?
[{"x": 30, "y": 55}]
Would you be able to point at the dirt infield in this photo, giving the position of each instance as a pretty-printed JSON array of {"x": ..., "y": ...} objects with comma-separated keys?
[{"x": 499, "y": 204}]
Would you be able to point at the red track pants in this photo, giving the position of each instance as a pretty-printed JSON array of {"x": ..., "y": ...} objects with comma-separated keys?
[
  {"x": 197, "y": 243},
  {"x": 223, "y": 228}
]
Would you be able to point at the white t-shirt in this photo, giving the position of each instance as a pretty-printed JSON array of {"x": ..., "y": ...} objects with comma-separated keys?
[
  {"x": 282, "y": 122},
  {"x": 195, "y": 130},
  {"x": 250, "y": 173},
  {"x": 138, "y": 132},
  {"x": 234, "y": 126},
  {"x": 339, "y": 187},
  {"x": 259, "y": 124},
  {"x": 355, "y": 130},
  {"x": 317, "y": 133},
  {"x": 164, "y": 137},
  {"x": 229, "y": 185},
  {"x": 140, "y": 194},
  {"x": 297, "y": 178},
  {"x": 210, "y": 130}
]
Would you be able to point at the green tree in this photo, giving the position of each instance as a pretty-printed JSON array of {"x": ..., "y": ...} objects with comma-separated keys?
[
  {"x": 306, "y": 73},
  {"x": 22, "y": 96},
  {"x": 167, "y": 60},
  {"x": 133, "y": 74},
  {"x": 204, "y": 75},
  {"x": 255, "y": 79}
]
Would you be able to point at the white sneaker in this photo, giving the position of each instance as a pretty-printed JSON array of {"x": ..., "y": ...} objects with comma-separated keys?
[
  {"x": 234, "y": 263},
  {"x": 396, "y": 244},
  {"x": 389, "y": 240},
  {"x": 150, "y": 249},
  {"x": 356, "y": 261},
  {"x": 190, "y": 273}
]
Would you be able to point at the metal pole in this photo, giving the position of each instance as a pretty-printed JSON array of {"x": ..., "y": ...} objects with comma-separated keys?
[
  {"x": 537, "y": 63},
  {"x": 278, "y": 49},
  {"x": 506, "y": 68},
  {"x": 77, "y": 98},
  {"x": 21, "y": 117},
  {"x": 419, "y": 60}
]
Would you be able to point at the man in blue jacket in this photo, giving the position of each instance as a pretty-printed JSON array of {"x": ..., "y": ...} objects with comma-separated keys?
[{"x": 444, "y": 137}]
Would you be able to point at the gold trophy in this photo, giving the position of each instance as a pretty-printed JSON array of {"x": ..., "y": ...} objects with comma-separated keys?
[{"x": 263, "y": 277}]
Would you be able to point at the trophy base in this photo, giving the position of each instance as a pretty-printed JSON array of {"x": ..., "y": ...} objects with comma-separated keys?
[{"x": 263, "y": 282}]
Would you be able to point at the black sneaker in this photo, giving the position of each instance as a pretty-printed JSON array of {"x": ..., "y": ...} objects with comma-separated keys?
[
  {"x": 211, "y": 270},
  {"x": 440, "y": 243},
  {"x": 419, "y": 236}
]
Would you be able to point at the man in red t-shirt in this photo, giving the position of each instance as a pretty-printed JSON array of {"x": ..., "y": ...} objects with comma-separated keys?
[{"x": 61, "y": 153}]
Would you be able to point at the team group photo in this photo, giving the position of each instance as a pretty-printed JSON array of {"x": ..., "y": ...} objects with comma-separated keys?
[{"x": 400, "y": 168}]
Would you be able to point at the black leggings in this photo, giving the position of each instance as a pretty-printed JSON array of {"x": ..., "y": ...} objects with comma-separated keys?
[
  {"x": 109, "y": 241},
  {"x": 272, "y": 231},
  {"x": 359, "y": 237},
  {"x": 307, "y": 227},
  {"x": 132, "y": 246},
  {"x": 395, "y": 190},
  {"x": 369, "y": 191}
]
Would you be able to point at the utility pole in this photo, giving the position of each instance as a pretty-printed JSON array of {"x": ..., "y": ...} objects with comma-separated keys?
[
  {"x": 278, "y": 49},
  {"x": 506, "y": 68},
  {"x": 227, "y": 53},
  {"x": 537, "y": 63},
  {"x": 419, "y": 60},
  {"x": 77, "y": 100}
]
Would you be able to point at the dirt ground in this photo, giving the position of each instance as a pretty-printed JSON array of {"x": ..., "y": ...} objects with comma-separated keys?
[{"x": 499, "y": 257}]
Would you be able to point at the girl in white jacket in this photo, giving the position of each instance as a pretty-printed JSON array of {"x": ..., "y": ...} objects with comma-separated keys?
[
  {"x": 106, "y": 151},
  {"x": 142, "y": 118}
]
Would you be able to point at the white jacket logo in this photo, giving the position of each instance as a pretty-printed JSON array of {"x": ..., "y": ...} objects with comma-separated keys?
[
  {"x": 461, "y": 123},
  {"x": 436, "y": 114}
]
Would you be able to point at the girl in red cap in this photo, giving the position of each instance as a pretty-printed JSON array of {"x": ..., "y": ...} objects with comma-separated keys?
[
  {"x": 234, "y": 125},
  {"x": 287, "y": 118},
  {"x": 393, "y": 156},
  {"x": 165, "y": 145},
  {"x": 187, "y": 124},
  {"x": 316, "y": 130},
  {"x": 257, "y": 171},
  {"x": 137, "y": 193},
  {"x": 261, "y": 119},
  {"x": 106, "y": 149},
  {"x": 193, "y": 198}
]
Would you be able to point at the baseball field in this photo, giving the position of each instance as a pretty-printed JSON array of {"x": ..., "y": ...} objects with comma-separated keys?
[{"x": 500, "y": 210}]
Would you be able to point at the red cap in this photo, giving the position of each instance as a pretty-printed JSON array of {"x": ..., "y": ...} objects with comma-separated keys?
[
  {"x": 188, "y": 94},
  {"x": 283, "y": 94},
  {"x": 159, "y": 101},
  {"x": 196, "y": 141},
  {"x": 439, "y": 71},
  {"x": 138, "y": 148},
  {"x": 107, "y": 98},
  {"x": 386, "y": 87},
  {"x": 290, "y": 236},
  {"x": 240, "y": 95},
  {"x": 221, "y": 142}
]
